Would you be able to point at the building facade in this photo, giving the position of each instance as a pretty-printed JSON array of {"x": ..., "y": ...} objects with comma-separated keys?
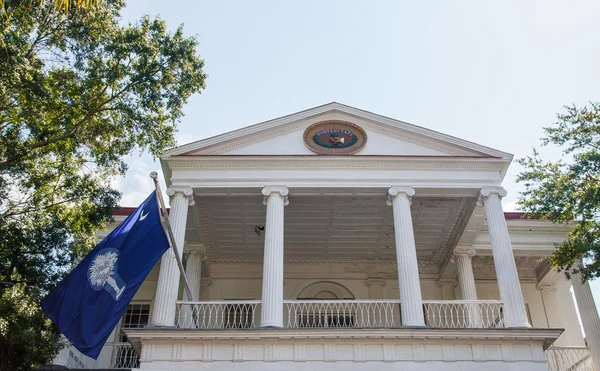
[{"x": 338, "y": 239}]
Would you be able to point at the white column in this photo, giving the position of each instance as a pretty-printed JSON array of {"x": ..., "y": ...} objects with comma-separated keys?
[
  {"x": 193, "y": 271},
  {"x": 504, "y": 260},
  {"x": 271, "y": 314},
  {"x": 589, "y": 316},
  {"x": 406, "y": 255},
  {"x": 193, "y": 268},
  {"x": 548, "y": 292},
  {"x": 466, "y": 280},
  {"x": 163, "y": 313},
  {"x": 463, "y": 256}
]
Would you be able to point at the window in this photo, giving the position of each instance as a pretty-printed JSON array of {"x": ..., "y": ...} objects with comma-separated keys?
[{"x": 136, "y": 316}]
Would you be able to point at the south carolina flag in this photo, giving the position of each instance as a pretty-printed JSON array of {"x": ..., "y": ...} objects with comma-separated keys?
[{"x": 89, "y": 302}]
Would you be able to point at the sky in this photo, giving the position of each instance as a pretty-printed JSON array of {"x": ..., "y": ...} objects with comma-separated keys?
[{"x": 490, "y": 72}]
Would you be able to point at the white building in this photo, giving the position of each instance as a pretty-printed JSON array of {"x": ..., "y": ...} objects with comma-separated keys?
[{"x": 338, "y": 239}]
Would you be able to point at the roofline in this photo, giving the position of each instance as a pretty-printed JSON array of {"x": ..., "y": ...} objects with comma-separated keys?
[{"x": 231, "y": 135}]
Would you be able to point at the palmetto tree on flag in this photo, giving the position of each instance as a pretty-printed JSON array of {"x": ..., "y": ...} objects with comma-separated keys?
[{"x": 102, "y": 271}]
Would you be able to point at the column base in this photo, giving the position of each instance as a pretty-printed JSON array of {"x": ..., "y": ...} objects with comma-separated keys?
[{"x": 271, "y": 325}]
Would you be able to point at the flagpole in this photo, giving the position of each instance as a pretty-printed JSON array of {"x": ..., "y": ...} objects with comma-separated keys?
[{"x": 164, "y": 217}]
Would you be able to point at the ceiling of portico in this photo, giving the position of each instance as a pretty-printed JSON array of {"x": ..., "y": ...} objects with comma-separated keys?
[{"x": 327, "y": 228}]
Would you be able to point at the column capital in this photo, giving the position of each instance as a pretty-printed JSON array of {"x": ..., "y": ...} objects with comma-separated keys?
[
  {"x": 399, "y": 191},
  {"x": 545, "y": 286},
  {"x": 487, "y": 191},
  {"x": 282, "y": 191},
  {"x": 374, "y": 282},
  {"x": 186, "y": 192},
  {"x": 447, "y": 283},
  {"x": 464, "y": 251},
  {"x": 196, "y": 248}
]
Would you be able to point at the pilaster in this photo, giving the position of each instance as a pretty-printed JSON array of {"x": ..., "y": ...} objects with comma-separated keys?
[
  {"x": 375, "y": 286},
  {"x": 548, "y": 292},
  {"x": 448, "y": 289}
]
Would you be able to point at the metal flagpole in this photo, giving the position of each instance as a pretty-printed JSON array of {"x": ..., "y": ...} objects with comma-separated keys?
[{"x": 164, "y": 217}]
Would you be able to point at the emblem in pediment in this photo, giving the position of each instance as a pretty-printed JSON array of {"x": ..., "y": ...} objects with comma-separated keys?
[{"x": 334, "y": 137}]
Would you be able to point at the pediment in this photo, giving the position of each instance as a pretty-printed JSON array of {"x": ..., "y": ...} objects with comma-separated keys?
[{"x": 285, "y": 136}]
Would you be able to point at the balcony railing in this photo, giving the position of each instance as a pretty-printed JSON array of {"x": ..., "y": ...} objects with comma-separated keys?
[
  {"x": 218, "y": 314},
  {"x": 342, "y": 313},
  {"x": 463, "y": 313},
  {"x": 124, "y": 356},
  {"x": 339, "y": 314},
  {"x": 569, "y": 359}
]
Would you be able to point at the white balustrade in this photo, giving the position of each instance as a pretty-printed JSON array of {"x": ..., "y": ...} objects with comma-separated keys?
[
  {"x": 569, "y": 359},
  {"x": 342, "y": 313},
  {"x": 74, "y": 362},
  {"x": 217, "y": 314},
  {"x": 77, "y": 360},
  {"x": 339, "y": 313},
  {"x": 463, "y": 313},
  {"x": 124, "y": 357}
]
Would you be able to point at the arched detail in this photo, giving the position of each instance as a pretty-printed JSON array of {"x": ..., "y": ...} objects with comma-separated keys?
[{"x": 324, "y": 290}]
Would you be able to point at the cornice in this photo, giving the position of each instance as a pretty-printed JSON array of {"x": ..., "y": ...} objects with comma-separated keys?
[
  {"x": 357, "y": 162},
  {"x": 334, "y": 110},
  {"x": 496, "y": 334}
]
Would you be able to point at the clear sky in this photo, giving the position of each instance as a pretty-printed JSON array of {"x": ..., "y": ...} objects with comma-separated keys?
[{"x": 490, "y": 72}]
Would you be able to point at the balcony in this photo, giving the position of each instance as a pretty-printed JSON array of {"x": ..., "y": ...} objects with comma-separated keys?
[
  {"x": 569, "y": 359},
  {"x": 298, "y": 314}
]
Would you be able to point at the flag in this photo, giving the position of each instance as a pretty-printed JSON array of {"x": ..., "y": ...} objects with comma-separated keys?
[{"x": 87, "y": 305}]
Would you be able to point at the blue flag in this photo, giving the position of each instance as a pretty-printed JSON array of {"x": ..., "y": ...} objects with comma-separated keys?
[{"x": 91, "y": 300}]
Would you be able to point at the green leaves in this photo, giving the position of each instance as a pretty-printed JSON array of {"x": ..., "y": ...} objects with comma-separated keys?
[
  {"x": 78, "y": 91},
  {"x": 568, "y": 191}
]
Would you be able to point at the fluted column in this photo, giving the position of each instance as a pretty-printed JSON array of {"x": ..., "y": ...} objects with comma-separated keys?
[
  {"x": 466, "y": 280},
  {"x": 271, "y": 315},
  {"x": 548, "y": 292},
  {"x": 193, "y": 272},
  {"x": 406, "y": 254},
  {"x": 163, "y": 313},
  {"x": 504, "y": 260},
  {"x": 464, "y": 264},
  {"x": 589, "y": 316}
]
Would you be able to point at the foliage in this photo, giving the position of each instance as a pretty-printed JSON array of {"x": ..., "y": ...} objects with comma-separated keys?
[
  {"x": 568, "y": 190},
  {"x": 78, "y": 91},
  {"x": 27, "y": 324}
]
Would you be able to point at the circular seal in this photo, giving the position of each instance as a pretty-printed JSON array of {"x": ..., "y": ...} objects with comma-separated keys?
[{"x": 335, "y": 137}]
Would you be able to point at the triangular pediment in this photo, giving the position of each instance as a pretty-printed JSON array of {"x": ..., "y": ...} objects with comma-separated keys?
[{"x": 285, "y": 136}]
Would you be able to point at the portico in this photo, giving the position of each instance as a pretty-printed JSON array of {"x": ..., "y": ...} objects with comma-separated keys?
[{"x": 336, "y": 235}]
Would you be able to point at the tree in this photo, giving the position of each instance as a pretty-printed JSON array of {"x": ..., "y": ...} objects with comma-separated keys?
[
  {"x": 78, "y": 91},
  {"x": 568, "y": 190}
]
